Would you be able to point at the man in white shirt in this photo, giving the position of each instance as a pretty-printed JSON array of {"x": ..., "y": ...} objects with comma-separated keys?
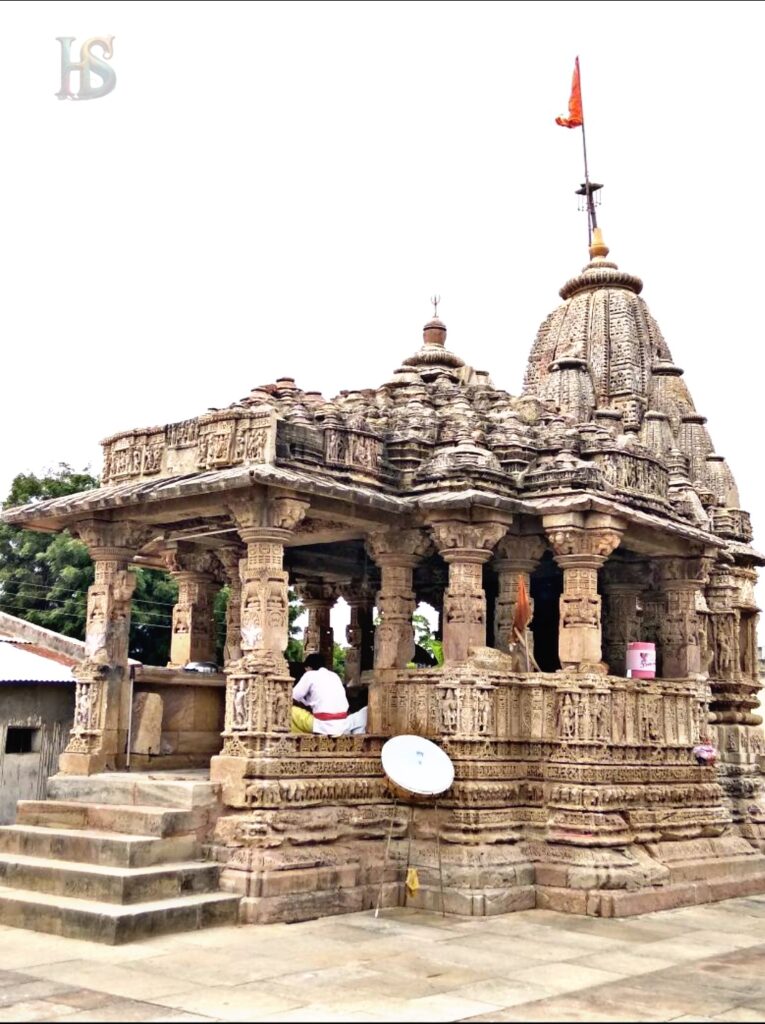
[{"x": 323, "y": 693}]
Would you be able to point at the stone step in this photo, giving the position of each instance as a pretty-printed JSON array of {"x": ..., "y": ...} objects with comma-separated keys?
[
  {"x": 111, "y": 923},
  {"x": 143, "y": 788},
  {"x": 705, "y": 869},
  {"x": 131, "y": 819},
  {"x": 95, "y": 847},
  {"x": 108, "y": 884}
]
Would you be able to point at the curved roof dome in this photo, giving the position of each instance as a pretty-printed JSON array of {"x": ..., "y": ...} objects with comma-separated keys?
[{"x": 601, "y": 356}]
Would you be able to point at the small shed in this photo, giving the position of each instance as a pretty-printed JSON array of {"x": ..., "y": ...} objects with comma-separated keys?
[{"x": 36, "y": 712}]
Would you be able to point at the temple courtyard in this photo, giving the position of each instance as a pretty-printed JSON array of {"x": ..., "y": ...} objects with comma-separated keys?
[{"x": 690, "y": 964}]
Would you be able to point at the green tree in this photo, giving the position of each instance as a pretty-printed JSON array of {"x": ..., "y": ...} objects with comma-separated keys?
[
  {"x": 423, "y": 636},
  {"x": 295, "y": 651},
  {"x": 44, "y": 578},
  {"x": 338, "y": 659}
]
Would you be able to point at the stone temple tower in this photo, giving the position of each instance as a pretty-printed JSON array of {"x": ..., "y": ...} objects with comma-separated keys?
[{"x": 601, "y": 360}]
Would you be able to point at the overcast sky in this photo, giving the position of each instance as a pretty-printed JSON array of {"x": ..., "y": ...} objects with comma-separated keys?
[{"x": 278, "y": 188}]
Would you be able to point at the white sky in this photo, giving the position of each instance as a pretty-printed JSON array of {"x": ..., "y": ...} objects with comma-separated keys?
[{"x": 278, "y": 188}]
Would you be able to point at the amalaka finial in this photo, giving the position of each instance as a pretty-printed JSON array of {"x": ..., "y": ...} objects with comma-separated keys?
[
  {"x": 598, "y": 248},
  {"x": 435, "y": 299}
]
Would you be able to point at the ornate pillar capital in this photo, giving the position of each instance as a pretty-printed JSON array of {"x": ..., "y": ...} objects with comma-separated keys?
[
  {"x": 467, "y": 542},
  {"x": 315, "y": 593},
  {"x": 357, "y": 593},
  {"x": 262, "y": 516},
  {"x": 187, "y": 560},
  {"x": 404, "y": 548},
  {"x": 230, "y": 558},
  {"x": 583, "y": 539},
  {"x": 111, "y": 541},
  {"x": 683, "y": 573},
  {"x": 519, "y": 553}
]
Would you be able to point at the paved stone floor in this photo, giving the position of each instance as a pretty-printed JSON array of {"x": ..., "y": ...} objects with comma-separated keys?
[{"x": 696, "y": 964}]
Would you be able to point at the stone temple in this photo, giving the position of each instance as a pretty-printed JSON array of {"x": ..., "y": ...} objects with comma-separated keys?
[{"x": 576, "y": 786}]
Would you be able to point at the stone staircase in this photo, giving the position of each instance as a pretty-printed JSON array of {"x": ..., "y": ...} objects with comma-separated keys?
[{"x": 113, "y": 858}]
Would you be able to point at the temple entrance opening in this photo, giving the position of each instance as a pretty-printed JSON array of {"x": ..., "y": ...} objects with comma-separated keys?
[{"x": 546, "y": 589}]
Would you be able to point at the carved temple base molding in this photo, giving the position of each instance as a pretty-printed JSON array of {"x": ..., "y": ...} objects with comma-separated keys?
[{"x": 297, "y": 865}]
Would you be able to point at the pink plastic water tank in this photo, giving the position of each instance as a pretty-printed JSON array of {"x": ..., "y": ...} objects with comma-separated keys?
[{"x": 641, "y": 660}]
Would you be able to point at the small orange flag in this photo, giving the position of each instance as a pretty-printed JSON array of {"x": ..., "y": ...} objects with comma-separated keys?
[
  {"x": 575, "y": 117},
  {"x": 522, "y": 613}
]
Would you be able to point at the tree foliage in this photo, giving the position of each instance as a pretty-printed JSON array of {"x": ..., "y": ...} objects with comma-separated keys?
[
  {"x": 423, "y": 637},
  {"x": 44, "y": 578}
]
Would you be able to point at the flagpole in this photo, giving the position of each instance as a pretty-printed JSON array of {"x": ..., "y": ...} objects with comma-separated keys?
[{"x": 591, "y": 220}]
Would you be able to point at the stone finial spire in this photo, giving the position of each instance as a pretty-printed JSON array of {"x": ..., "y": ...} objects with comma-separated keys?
[
  {"x": 598, "y": 248},
  {"x": 434, "y": 351},
  {"x": 434, "y": 333}
]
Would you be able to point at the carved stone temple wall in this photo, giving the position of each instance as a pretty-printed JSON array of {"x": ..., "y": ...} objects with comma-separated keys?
[{"x": 597, "y": 491}]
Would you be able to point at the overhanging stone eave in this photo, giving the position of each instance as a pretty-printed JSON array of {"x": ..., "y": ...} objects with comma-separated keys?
[
  {"x": 58, "y": 513},
  {"x": 591, "y": 502},
  {"x": 745, "y": 552},
  {"x": 472, "y": 498}
]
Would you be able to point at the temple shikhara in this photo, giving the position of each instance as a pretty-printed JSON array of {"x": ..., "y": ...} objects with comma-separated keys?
[{"x": 576, "y": 785}]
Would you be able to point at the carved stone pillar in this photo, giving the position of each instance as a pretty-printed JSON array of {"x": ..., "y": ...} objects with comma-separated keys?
[
  {"x": 193, "y": 637},
  {"x": 360, "y": 598},
  {"x": 264, "y": 526},
  {"x": 396, "y": 552},
  {"x": 318, "y": 599},
  {"x": 516, "y": 558},
  {"x": 735, "y": 724},
  {"x": 465, "y": 547},
  {"x": 98, "y": 739},
  {"x": 729, "y": 702},
  {"x": 622, "y": 586},
  {"x": 581, "y": 542},
  {"x": 231, "y": 561},
  {"x": 258, "y": 685},
  {"x": 681, "y": 581}
]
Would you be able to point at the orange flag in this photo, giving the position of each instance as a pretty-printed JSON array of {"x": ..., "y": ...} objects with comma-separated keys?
[
  {"x": 575, "y": 117},
  {"x": 522, "y": 613}
]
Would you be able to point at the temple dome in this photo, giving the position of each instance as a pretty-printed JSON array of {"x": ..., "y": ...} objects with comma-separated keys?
[
  {"x": 602, "y": 355},
  {"x": 434, "y": 351}
]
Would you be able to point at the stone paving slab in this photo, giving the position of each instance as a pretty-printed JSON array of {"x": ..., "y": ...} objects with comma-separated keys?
[{"x": 691, "y": 964}]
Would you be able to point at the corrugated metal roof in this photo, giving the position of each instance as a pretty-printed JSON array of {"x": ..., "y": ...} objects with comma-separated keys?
[{"x": 18, "y": 665}]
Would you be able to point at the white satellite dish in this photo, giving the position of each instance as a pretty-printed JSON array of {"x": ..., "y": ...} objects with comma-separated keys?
[{"x": 416, "y": 767}]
